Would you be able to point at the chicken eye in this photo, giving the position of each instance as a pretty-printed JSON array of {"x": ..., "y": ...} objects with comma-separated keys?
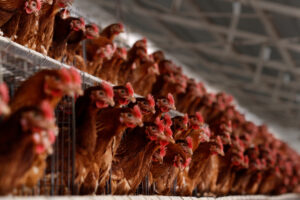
[
  {"x": 164, "y": 101},
  {"x": 129, "y": 115},
  {"x": 122, "y": 91},
  {"x": 101, "y": 93},
  {"x": 33, "y": 4},
  {"x": 57, "y": 78}
]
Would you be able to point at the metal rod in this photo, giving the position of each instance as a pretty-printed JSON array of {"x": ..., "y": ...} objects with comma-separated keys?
[{"x": 73, "y": 145}]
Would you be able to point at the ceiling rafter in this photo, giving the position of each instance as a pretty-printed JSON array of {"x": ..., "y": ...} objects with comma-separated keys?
[
  {"x": 271, "y": 6},
  {"x": 272, "y": 32},
  {"x": 215, "y": 28}
]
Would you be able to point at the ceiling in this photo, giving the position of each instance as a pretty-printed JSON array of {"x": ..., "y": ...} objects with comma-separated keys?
[{"x": 249, "y": 48}]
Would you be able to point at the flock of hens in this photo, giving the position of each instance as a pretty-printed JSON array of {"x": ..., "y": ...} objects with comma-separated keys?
[{"x": 211, "y": 150}]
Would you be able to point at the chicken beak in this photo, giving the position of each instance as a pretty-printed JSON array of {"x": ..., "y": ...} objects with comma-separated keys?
[
  {"x": 132, "y": 99},
  {"x": 172, "y": 107},
  {"x": 140, "y": 123},
  {"x": 111, "y": 102},
  {"x": 153, "y": 111},
  {"x": 171, "y": 140},
  {"x": 190, "y": 151},
  {"x": 78, "y": 90},
  {"x": 4, "y": 109},
  {"x": 221, "y": 153}
]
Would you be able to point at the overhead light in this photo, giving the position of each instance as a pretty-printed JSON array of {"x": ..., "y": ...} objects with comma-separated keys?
[
  {"x": 286, "y": 78},
  {"x": 236, "y": 8},
  {"x": 266, "y": 53}
]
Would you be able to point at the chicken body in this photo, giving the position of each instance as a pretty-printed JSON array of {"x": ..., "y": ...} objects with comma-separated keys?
[
  {"x": 22, "y": 153},
  {"x": 48, "y": 85}
]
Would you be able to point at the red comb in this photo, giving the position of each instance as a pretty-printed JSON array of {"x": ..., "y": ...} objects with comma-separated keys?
[
  {"x": 124, "y": 51},
  {"x": 47, "y": 110},
  {"x": 130, "y": 89},
  {"x": 96, "y": 28},
  {"x": 76, "y": 76},
  {"x": 219, "y": 142},
  {"x": 66, "y": 75},
  {"x": 108, "y": 89},
  {"x": 171, "y": 99},
  {"x": 199, "y": 117},
  {"x": 82, "y": 21},
  {"x": 144, "y": 40},
  {"x": 246, "y": 159},
  {"x": 190, "y": 142},
  {"x": 159, "y": 124},
  {"x": 39, "y": 4},
  {"x": 137, "y": 111},
  {"x": 187, "y": 162},
  {"x": 168, "y": 120},
  {"x": 151, "y": 100},
  {"x": 169, "y": 132},
  {"x": 186, "y": 119},
  {"x": 4, "y": 93},
  {"x": 40, "y": 149},
  {"x": 162, "y": 151},
  {"x": 121, "y": 26}
]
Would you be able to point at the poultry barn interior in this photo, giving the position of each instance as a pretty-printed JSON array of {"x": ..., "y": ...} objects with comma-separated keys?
[{"x": 161, "y": 99}]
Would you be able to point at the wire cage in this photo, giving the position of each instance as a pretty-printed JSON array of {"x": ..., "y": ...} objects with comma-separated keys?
[{"x": 17, "y": 63}]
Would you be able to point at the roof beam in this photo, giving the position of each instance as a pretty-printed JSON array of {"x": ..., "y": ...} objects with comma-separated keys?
[
  {"x": 265, "y": 54},
  {"x": 169, "y": 17},
  {"x": 274, "y": 35},
  {"x": 236, "y": 11},
  {"x": 157, "y": 6},
  {"x": 273, "y": 7}
]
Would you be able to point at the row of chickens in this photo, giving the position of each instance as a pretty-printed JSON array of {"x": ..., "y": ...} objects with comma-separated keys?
[
  {"x": 213, "y": 149},
  {"x": 135, "y": 137}
]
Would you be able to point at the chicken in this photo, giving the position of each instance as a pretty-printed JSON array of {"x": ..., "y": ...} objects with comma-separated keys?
[
  {"x": 272, "y": 177},
  {"x": 111, "y": 31},
  {"x": 28, "y": 24},
  {"x": 135, "y": 152},
  {"x": 63, "y": 30},
  {"x": 44, "y": 36},
  {"x": 123, "y": 95},
  {"x": 20, "y": 18},
  {"x": 162, "y": 105},
  {"x": 49, "y": 85},
  {"x": 101, "y": 48},
  {"x": 193, "y": 91},
  {"x": 26, "y": 141},
  {"x": 158, "y": 56},
  {"x": 233, "y": 161},
  {"x": 197, "y": 129},
  {"x": 178, "y": 157},
  {"x": 244, "y": 176},
  {"x": 202, "y": 169},
  {"x": 74, "y": 48},
  {"x": 144, "y": 77},
  {"x": 111, "y": 68},
  {"x": 87, "y": 106},
  {"x": 202, "y": 104},
  {"x": 135, "y": 56},
  {"x": 147, "y": 105},
  {"x": 179, "y": 126},
  {"x": 110, "y": 122},
  {"x": 10, "y": 9},
  {"x": 4, "y": 100}
]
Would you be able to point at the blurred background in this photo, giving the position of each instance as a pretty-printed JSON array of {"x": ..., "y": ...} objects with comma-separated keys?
[{"x": 248, "y": 48}]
